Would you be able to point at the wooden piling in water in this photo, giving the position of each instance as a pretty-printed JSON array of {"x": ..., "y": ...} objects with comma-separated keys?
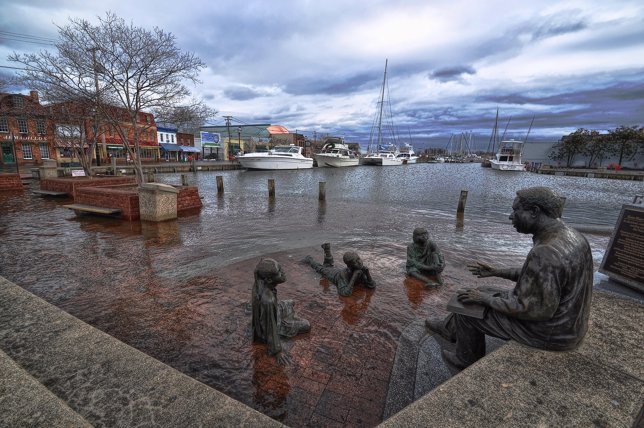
[
  {"x": 460, "y": 211},
  {"x": 220, "y": 185},
  {"x": 322, "y": 191},
  {"x": 184, "y": 180},
  {"x": 271, "y": 188}
]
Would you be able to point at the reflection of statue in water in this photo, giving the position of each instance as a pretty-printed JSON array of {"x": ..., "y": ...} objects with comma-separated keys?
[
  {"x": 424, "y": 259},
  {"x": 550, "y": 303},
  {"x": 271, "y": 317},
  {"x": 344, "y": 279}
]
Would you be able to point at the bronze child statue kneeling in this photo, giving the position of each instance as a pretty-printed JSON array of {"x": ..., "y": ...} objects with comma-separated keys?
[{"x": 273, "y": 318}]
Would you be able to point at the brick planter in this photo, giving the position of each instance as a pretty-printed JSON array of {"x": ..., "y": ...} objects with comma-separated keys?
[
  {"x": 126, "y": 198},
  {"x": 71, "y": 185}
]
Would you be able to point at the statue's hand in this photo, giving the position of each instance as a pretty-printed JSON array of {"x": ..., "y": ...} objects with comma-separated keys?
[
  {"x": 472, "y": 295},
  {"x": 481, "y": 270},
  {"x": 283, "y": 359}
]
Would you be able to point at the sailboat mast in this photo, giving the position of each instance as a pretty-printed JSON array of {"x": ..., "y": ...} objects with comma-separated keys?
[
  {"x": 529, "y": 129},
  {"x": 382, "y": 103}
]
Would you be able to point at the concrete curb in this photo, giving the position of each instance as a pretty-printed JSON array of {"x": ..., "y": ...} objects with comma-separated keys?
[
  {"x": 104, "y": 381},
  {"x": 599, "y": 384}
]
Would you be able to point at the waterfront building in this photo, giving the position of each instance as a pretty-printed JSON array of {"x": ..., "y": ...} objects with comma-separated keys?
[
  {"x": 110, "y": 143},
  {"x": 232, "y": 139},
  {"x": 26, "y": 131}
]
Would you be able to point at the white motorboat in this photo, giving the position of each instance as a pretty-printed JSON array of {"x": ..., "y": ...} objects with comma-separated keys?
[
  {"x": 508, "y": 158},
  {"x": 335, "y": 153},
  {"x": 279, "y": 157},
  {"x": 407, "y": 155}
]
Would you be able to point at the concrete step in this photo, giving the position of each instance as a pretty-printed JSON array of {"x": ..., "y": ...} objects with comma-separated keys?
[
  {"x": 91, "y": 209},
  {"x": 26, "y": 402},
  {"x": 105, "y": 381}
]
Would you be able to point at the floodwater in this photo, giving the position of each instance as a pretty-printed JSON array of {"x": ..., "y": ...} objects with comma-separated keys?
[{"x": 178, "y": 290}]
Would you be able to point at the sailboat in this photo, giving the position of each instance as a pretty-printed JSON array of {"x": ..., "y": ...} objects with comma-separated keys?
[{"x": 381, "y": 153}]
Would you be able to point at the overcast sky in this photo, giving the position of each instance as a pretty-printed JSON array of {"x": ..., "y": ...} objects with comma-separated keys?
[{"x": 318, "y": 65}]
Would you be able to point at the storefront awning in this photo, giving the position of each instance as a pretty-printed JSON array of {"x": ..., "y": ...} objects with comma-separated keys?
[
  {"x": 211, "y": 145},
  {"x": 170, "y": 147},
  {"x": 114, "y": 146},
  {"x": 189, "y": 149}
]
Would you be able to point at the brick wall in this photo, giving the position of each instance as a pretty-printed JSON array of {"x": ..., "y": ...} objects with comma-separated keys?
[
  {"x": 124, "y": 198},
  {"x": 10, "y": 182},
  {"x": 70, "y": 185},
  {"x": 188, "y": 198}
]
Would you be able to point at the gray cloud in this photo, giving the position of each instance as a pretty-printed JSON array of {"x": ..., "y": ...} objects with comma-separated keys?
[
  {"x": 451, "y": 73},
  {"x": 241, "y": 93}
]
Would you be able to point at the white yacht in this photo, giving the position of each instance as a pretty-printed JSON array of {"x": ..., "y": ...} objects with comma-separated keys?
[
  {"x": 407, "y": 154},
  {"x": 279, "y": 157},
  {"x": 508, "y": 158},
  {"x": 335, "y": 153}
]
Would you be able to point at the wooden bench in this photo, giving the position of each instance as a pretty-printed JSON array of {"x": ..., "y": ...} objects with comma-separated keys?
[
  {"x": 49, "y": 193},
  {"x": 91, "y": 209}
]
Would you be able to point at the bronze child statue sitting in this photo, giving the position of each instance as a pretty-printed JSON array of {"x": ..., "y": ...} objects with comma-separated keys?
[
  {"x": 273, "y": 318},
  {"x": 424, "y": 259}
]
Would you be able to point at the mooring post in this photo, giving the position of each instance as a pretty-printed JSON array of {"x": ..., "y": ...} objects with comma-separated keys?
[
  {"x": 271, "y": 188},
  {"x": 322, "y": 193},
  {"x": 184, "y": 180},
  {"x": 220, "y": 185},
  {"x": 150, "y": 177},
  {"x": 460, "y": 211},
  {"x": 113, "y": 166}
]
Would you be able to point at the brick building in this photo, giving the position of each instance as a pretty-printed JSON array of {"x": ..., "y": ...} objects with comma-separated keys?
[{"x": 26, "y": 131}]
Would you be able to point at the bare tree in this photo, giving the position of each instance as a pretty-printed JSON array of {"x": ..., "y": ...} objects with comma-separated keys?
[
  {"x": 125, "y": 70},
  {"x": 72, "y": 133},
  {"x": 188, "y": 117}
]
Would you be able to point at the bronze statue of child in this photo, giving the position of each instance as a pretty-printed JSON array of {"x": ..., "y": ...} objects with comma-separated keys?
[
  {"x": 273, "y": 318},
  {"x": 344, "y": 279},
  {"x": 424, "y": 259}
]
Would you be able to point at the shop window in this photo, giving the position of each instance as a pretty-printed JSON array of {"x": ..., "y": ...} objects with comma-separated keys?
[
  {"x": 44, "y": 151},
  {"x": 40, "y": 125},
  {"x": 22, "y": 126},
  {"x": 26, "y": 151}
]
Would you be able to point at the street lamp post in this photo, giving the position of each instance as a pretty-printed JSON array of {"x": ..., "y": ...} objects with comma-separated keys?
[
  {"x": 239, "y": 130},
  {"x": 96, "y": 112}
]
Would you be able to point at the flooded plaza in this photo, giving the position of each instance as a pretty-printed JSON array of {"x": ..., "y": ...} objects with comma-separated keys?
[{"x": 179, "y": 290}]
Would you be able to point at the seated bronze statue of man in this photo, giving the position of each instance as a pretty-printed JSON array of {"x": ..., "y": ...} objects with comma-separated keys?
[
  {"x": 273, "y": 318},
  {"x": 424, "y": 259},
  {"x": 550, "y": 303},
  {"x": 344, "y": 279}
]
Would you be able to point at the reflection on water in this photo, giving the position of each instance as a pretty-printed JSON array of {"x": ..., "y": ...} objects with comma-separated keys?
[{"x": 177, "y": 290}]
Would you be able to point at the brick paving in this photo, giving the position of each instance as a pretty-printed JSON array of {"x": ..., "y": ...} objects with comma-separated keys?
[{"x": 340, "y": 370}]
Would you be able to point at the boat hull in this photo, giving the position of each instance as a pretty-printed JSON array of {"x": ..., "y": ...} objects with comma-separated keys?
[
  {"x": 335, "y": 161},
  {"x": 274, "y": 162},
  {"x": 381, "y": 161},
  {"x": 507, "y": 166}
]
